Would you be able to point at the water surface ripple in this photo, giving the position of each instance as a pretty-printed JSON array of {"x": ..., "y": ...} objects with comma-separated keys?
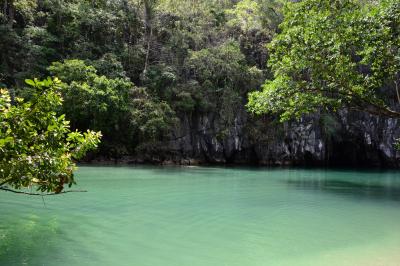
[{"x": 204, "y": 216}]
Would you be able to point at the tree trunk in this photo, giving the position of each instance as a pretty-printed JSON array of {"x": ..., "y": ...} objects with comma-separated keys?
[
  {"x": 149, "y": 30},
  {"x": 9, "y": 8},
  {"x": 5, "y": 8}
]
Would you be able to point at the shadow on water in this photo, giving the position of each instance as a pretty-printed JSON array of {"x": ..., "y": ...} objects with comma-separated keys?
[{"x": 359, "y": 190}]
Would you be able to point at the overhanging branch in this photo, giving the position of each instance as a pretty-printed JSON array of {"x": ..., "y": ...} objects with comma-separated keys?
[
  {"x": 364, "y": 104},
  {"x": 38, "y": 194},
  {"x": 5, "y": 181}
]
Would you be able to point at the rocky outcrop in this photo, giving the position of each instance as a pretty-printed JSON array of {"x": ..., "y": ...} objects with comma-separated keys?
[{"x": 343, "y": 139}]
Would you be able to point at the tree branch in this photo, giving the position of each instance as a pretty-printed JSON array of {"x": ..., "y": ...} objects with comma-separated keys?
[
  {"x": 38, "y": 194},
  {"x": 366, "y": 105},
  {"x": 5, "y": 181}
]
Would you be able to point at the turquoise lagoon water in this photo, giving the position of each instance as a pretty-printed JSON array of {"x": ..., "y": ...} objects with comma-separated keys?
[{"x": 203, "y": 216}]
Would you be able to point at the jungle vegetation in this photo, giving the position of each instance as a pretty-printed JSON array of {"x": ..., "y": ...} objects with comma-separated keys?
[{"x": 131, "y": 68}]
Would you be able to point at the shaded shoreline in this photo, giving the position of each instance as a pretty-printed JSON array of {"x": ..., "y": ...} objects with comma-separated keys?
[{"x": 128, "y": 160}]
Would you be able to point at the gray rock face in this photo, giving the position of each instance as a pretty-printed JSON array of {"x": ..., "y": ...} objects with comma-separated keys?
[{"x": 346, "y": 139}]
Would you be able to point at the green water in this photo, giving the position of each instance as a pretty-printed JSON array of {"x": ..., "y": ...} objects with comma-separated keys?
[{"x": 172, "y": 216}]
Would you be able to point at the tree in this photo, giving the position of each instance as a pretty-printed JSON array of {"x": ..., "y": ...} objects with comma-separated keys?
[
  {"x": 222, "y": 71},
  {"x": 91, "y": 100},
  {"x": 246, "y": 15},
  {"x": 37, "y": 147},
  {"x": 330, "y": 54},
  {"x": 151, "y": 119},
  {"x": 124, "y": 113}
]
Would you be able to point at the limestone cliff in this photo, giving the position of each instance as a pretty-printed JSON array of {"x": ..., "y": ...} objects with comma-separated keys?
[{"x": 342, "y": 139}]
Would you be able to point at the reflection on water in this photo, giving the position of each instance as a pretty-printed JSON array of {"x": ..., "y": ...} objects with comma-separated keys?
[{"x": 349, "y": 188}]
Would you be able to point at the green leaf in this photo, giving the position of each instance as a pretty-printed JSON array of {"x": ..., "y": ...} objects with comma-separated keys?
[{"x": 30, "y": 82}]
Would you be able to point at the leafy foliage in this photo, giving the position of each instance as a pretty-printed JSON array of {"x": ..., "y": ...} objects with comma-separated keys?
[
  {"x": 91, "y": 100},
  {"x": 246, "y": 15},
  {"x": 152, "y": 119},
  {"x": 124, "y": 113},
  {"x": 221, "y": 69},
  {"x": 333, "y": 53},
  {"x": 132, "y": 69},
  {"x": 37, "y": 147}
]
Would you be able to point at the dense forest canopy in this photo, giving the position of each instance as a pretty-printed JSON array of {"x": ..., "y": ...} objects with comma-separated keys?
[
  {"x": 130, "y": 68},
  {"x": 141, "y": 70}
]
